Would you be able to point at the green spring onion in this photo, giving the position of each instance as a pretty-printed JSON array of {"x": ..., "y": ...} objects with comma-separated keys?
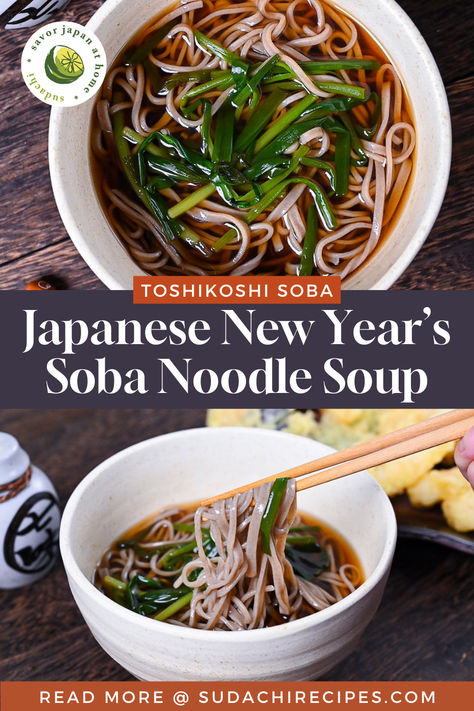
[
  {"x": 262, "y": 167},
  {"x": 334, "y": 87},
  {"x": 212, "y": 47},
  {"x": 307, "y": 557},
  {"x": 174, "y": 607},
  {"x": 114, "y": 583},
  {"x": 184, "y": 527},
  {"x": 300, "y": 541},
  {"x": 201, "y": 75},
  {"x": 192, "y": 200},
  {"x": 355, "y": 140},
  {"x": 333, "y": 65},
  {"x": 309, "y": 244},
  {"x": 138, "y": 54},
  {"x": 175, "y": 170},
  {"x": 206, "y": 140},
  {"x": 284, "y": 121},
  {"x": 369, "y": 132},
  {"x": 168, "y": 561},
  {"x": 342, "y": 160},
  {"x": 221, "y": 83},
  {"x": 224, "y": 135},
  {"x": 334, "y": 105},
  {"x": 271, "y": 510},
  {"x": 259, "y": 120},
  {"x": 136, "y": 139},
  {"x": 328, "y": 169},
  {"x": 154, "y": 75},
  {"x": 245, "y": 93},
  {"x": 283, "y": 141}
]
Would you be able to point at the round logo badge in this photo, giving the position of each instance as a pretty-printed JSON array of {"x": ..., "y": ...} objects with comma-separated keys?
[
  {"x": 31, "y": 540},
  {"x": 63, "y": 64}
]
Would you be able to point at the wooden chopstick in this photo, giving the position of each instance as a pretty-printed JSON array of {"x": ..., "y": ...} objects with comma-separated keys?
[
  {"x": 416, "y": 438},
  {"x": 388, "y": 454}
]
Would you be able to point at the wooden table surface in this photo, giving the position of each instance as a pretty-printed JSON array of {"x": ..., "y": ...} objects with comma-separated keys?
[
  {"x": 422, "y": 631},
  {"x": 33, "y": 239}
]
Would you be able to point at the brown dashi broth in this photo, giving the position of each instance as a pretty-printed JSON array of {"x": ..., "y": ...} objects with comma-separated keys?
[
  {"x": 330, "y": 224},
  {"x": 223, "y": 579}
]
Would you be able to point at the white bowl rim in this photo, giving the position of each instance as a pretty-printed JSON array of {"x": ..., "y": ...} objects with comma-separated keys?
[
  {"x": 434, "y": 203},
  {"x": 73, "y": 570}
]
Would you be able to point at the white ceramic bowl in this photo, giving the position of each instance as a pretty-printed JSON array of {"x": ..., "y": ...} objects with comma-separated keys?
[
  {"x": 183, "y": 467},
  {"x": 117, "y": 21}
]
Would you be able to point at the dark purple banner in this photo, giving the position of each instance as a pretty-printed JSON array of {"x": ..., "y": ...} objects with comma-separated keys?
[{"x": 98, "y": 349}]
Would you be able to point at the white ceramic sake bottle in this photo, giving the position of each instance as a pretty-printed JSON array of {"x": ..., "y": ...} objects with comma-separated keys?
[
  {"x": 29, "y": 517},
  {"x": 18, "y": 14}
]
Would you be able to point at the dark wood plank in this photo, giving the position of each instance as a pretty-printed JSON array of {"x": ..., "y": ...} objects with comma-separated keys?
[
  {"x": 448, "y": 28},
  {"x": 422, "y": 631},
  {"x": 34, "y": 240},
  {"x": 446, "y": 260},
  {"x": 29, "y": 219},
  {"x": 61, "y": 260}
]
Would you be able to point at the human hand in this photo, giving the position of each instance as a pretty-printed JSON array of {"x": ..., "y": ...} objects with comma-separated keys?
[{"x": 464, "y": 456}]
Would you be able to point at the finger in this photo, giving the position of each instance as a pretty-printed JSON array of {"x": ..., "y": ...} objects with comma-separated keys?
[
  {"x": 464, "y": 455},
  {"x": 470, "y": 474}
]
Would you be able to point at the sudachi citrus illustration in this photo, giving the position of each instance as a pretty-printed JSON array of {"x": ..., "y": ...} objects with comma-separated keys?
[{"x": 63, "y": 65}]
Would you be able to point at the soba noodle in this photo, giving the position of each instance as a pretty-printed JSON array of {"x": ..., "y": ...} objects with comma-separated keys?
[
  {"x": 208, "y": 569},
  {"x": 199, "y": 203}
]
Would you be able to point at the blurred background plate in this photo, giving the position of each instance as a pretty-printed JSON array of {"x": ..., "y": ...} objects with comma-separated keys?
[{"x": 429, "y": 525}]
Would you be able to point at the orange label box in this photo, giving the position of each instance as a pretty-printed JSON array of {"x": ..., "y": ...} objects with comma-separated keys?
[
  {"x": 236, "y": 290},
  {"x": 194, "y": 696}
]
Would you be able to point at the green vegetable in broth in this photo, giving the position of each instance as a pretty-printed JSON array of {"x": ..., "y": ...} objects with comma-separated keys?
[{"x": 208, "y": 112}]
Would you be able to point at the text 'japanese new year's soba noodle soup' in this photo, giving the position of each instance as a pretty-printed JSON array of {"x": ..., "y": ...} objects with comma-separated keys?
[
  {"x": 248, "y": 562},
  {"x": 252, "y": 138}
]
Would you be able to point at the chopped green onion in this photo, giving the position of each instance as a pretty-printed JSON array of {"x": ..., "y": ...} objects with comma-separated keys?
[
  {"x": 206, "y": 141},
  {"x": 188, "y": 154},
  {"x": 334, "y": 87},
  {"x": 154, "y": 75},
  {"x": 307, "y": 559},
  {"x": 331, "y": 106},
  {"x": 300, "y": 541},
  {"x": 259, "y": 120},
  {"x": 245, "y": 93},
  {"x": 328, "y": 169},
  {"x": 309, "y": 243},
  {"x": 281, "y": 175},
  {"x": 259, "y": 169},
  {"x": 175, "y": 170},
  {"x": 355, "y": 140},
  {"x": 284, "y": 121},
  {"x": 130, "y": 169},
  {"x": 212, "y": 47},
  {"x": 116, "y": 589},
  {"x": 192, "y": 200},
  {"x": 271, "y": 511},
  {"x": 181, "y": 78},
  {"x": 136, "y": 55},
  {"x": 369, "y": 132},
  {"x": 174, "y": 607},
  {"x": 284, "y": 140},
  {"x": 136, "y": 139},
  {"x": 184, "y": 527},
  {"x": 272, "y": 189},
  {"x": 322, "y": 203},
  {"x": 342, "y": 161},
  {"x": 167, "y": 562},
  {"x": 114, "y": 583},
  {"x": 333, "y": 65},
  {"x": 224, "y": 135},
  {"x": 221, "y": 83}
]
